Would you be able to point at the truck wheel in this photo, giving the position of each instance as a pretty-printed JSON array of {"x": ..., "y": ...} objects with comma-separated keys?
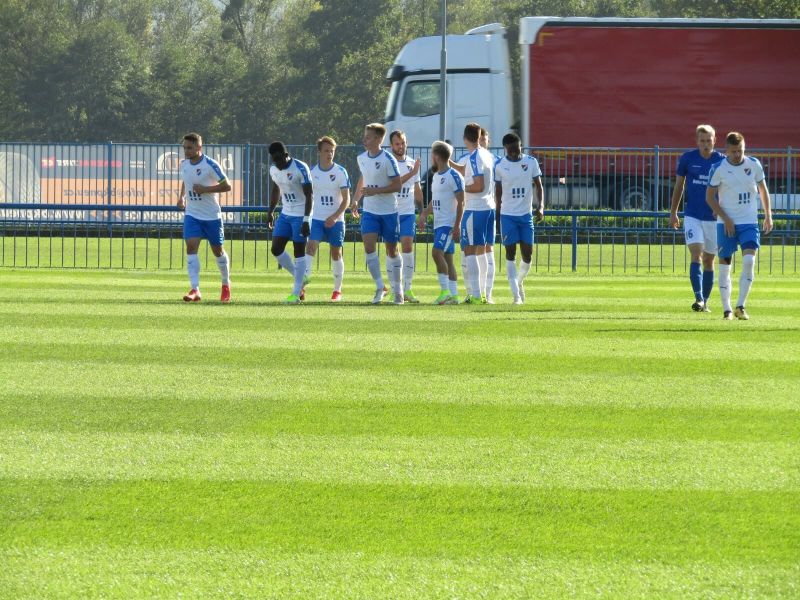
[{"x": 633, "y": 196}]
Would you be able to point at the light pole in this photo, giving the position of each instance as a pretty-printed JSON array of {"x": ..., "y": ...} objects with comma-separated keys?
[{"x": 443, "y": 75}]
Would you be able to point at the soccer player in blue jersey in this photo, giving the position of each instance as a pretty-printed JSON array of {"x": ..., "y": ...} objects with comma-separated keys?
[
  {"x": 516, "y": 175},
  {"x": 447, "y": 205},
  {"x": 331, "y": 198},
  {"x": 291, "y": 184},
  {"x": 202, "y": 180},
  {"x": 409, "y": 201},
  {"x": 699, "y": 223},
  {"x": 732, "y": 188},
  {"x": 377, "y": 189}
]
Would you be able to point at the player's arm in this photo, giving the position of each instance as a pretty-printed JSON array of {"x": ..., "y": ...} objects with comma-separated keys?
[
  {"x": 181, "y": 201},
  {"x": 460, "y": 168},
  {"x": 677, "y": 194},
  {"x": 713, "y": 202},
  {"x": 538, "y": 214},
  {"x": 418, "y": 196},
  {"x": 274, "y": 196},
  {"x": 345, "y": 195},
  {"x": 308, "y": 191},
  {"x": 498, "y": 196},
  {"x": 220, "y": 188},
  {"x": 394, "y": 186},
  {"x": 767, "y": 204},
  {"x": 456, "y": 233},
  {"x": 412, "y": 172},
  {"x": 357, "y": 196},
  {"x": 476, "y": 187}
]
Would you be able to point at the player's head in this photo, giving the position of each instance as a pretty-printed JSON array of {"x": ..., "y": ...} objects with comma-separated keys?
[
  {"x": 398, "y": 141},
  {"x": 472, "y": 133},
  {"x": 279, "y": 154},
  {"x": 192, "y": 145},
  {"x": 734, "y": 145},
  {"x": 373, "y": 136},
  {"x": 705, "y": 137},
  {"x": 326, "y": 148},
  {"x": 441, "y": 153},
  {"x": 512, "y": 145},
  {"x": 483, "y": 140}
]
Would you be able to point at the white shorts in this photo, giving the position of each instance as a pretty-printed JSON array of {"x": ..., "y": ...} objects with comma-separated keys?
[{"x": 701, "y": 232}]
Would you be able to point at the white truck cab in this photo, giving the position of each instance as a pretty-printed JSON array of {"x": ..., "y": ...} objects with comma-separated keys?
[{"x": 478, "y": 86}]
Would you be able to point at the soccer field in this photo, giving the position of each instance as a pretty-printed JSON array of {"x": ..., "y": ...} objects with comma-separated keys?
[{"x": 600, "y": 441}]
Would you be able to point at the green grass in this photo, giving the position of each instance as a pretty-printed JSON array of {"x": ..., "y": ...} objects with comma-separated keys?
[{"x": 600, "y": 441}]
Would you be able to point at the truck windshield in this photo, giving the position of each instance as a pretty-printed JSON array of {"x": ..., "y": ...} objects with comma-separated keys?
[
  {"x": 421, "y": 99},
  {"x": 390, "y": 103}
]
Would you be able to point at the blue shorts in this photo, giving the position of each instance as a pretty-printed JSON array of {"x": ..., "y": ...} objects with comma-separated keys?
[
  {"x": 443, "y": 239},
  {"x": 408, "y": 226},
  {"x": 333, "y": 235},
  {"x": 516, "y": 229},
  {"x": 289, "y": 228},
  {"x": 477, "y": 227},
  {"x": 200, "y": 228},
  {"x": 746, "y": 236},
  {"x": 491, "y": 229},
  {"x": 386, "y": 226}
]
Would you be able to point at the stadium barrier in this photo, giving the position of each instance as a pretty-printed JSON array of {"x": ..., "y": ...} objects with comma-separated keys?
[{"x": 113, "y": 206}]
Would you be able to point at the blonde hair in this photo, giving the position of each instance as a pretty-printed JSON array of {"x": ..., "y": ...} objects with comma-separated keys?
[
  {"x": 325, "y": 139},
  {"x": 377, "y": 128},
  {"x": 706, "y": 129},
  {"x": 442, "y": 150}
]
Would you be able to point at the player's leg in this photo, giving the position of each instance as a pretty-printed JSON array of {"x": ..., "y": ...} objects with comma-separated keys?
[
  {"x": 299, "y": 247},
  {"x": 370, "y": 229},
  {"x": 192, "y": 235},
  {"x": 311, "y": 252},
  {"x": 281, "y": 235},
  {"x": 693, "y": 232},
  {"x": 727, "y": 247},
  {"x": 511, "y": 272},
  {"x": 709, "y": 253},
  {"x": 525, "y": 231},
  {"x": 336, "y": 241},
  {"x": 452, "y": 275},
  {"x": 491, "y": 234},
  {"x": 442, "y": 238},
  {"x": 750, "y": 241},
  {"x": 215, "y": 234},
  {"x": 408, "y": 231},
  {"x": 390, "y": 231}
]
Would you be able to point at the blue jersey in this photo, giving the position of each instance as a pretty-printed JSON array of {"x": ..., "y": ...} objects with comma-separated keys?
[{"x": 696, "y": 170}]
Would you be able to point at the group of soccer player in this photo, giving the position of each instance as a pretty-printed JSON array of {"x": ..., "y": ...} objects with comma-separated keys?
[{"x": 466, "y": 195}]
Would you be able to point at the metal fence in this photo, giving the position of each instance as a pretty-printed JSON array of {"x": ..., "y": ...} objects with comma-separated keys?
[{"x": 113, "y": 206}]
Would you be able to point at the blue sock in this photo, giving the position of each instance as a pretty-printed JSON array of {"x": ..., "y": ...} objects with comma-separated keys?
[
  {"x": 708, "y": 284},
  {"x": 696, "y": 277}
]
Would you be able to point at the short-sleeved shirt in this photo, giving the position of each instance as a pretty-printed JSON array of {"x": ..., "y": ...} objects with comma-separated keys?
[
  {"x": 737, "y": 188},
  {"x": 516, "y": 177},
  {"x": 328, "y": 185},
  {"x": 696, "y": 169},
  {"x": 290, "y": 182},
  {"x": 378, "y": 171},
  {"x": 444, "y": 187},
  {"x": 205, "y": 172},
  {"x": 476, "y": 163},
  {"x": 405, "y": 197}
]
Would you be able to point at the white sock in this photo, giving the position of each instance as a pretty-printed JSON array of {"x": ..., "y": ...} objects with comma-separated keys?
[
  {"x": 299, "y": 274},
  {"x": 394, "y": 269},
  {"x": 746, "y": 278},
  {"x": 725, "y": 286},
  {"x": 453, "y": 287},
  {"x": 374, "y": 267},
  {"x": 465, "y": 271},
  {"x": 224, "y": 268},
  {"x": 483, "y": 263},
  {"x": 489, "y": 274},
  {"x": 286, "y": 262},
  {"x": 444, "y": 282},
  {"x": 473, "y": 276},
  {"x": 408, "y": 270},
  {"x": 193, "y": 267},
  {"x": 523, "y": 270},
  {"x": 511, "y": 273},
  {"x": 338, "y": 274},
  {"x": 309, "y": 265}
]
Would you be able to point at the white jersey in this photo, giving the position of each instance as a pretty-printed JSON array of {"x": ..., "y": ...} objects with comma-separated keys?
[
  {"x": 328, "y": 186},
  {"x": 290, "y": 182},
  {"x": 516, "y": 178},
  {"x": 378, "y": 171},
  {"x": 444, "y": 187},
  {"x": 405, "y": 197},
  {"x": 737, "y": 189},
  {"x": 479, "y": 162},
  {"x": 206, "y": 172}
]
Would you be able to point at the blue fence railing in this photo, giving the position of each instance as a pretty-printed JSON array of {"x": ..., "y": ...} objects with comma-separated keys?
[{"x": 113, "y": 205}]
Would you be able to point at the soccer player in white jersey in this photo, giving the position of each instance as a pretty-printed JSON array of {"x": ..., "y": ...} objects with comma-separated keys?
[
  {"x": 447, "y": 205},
  {"x": 516, "y": 175},
  {"x": 377, "y": 189},
  {"x": 477, "y": 226},
  {"x": 699, "y": 223},
  {"x": 483, "y": 142},
  {"x": 291, "y": 184},
  {"x": 331, "y": 198},
  {"x": 732, "y": 188},
  {"x": 202, "y": 179},
  {"x": 409, "y": 201}
]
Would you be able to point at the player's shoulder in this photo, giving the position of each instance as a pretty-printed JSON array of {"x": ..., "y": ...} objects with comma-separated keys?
[
  {"x": 300, "y": 165},
  {"x": 753, "y": 159},
  {"x": 388, "y": 156},
  {"x": 689, "y": 155},
  {"x": 210, "y": 161}
]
